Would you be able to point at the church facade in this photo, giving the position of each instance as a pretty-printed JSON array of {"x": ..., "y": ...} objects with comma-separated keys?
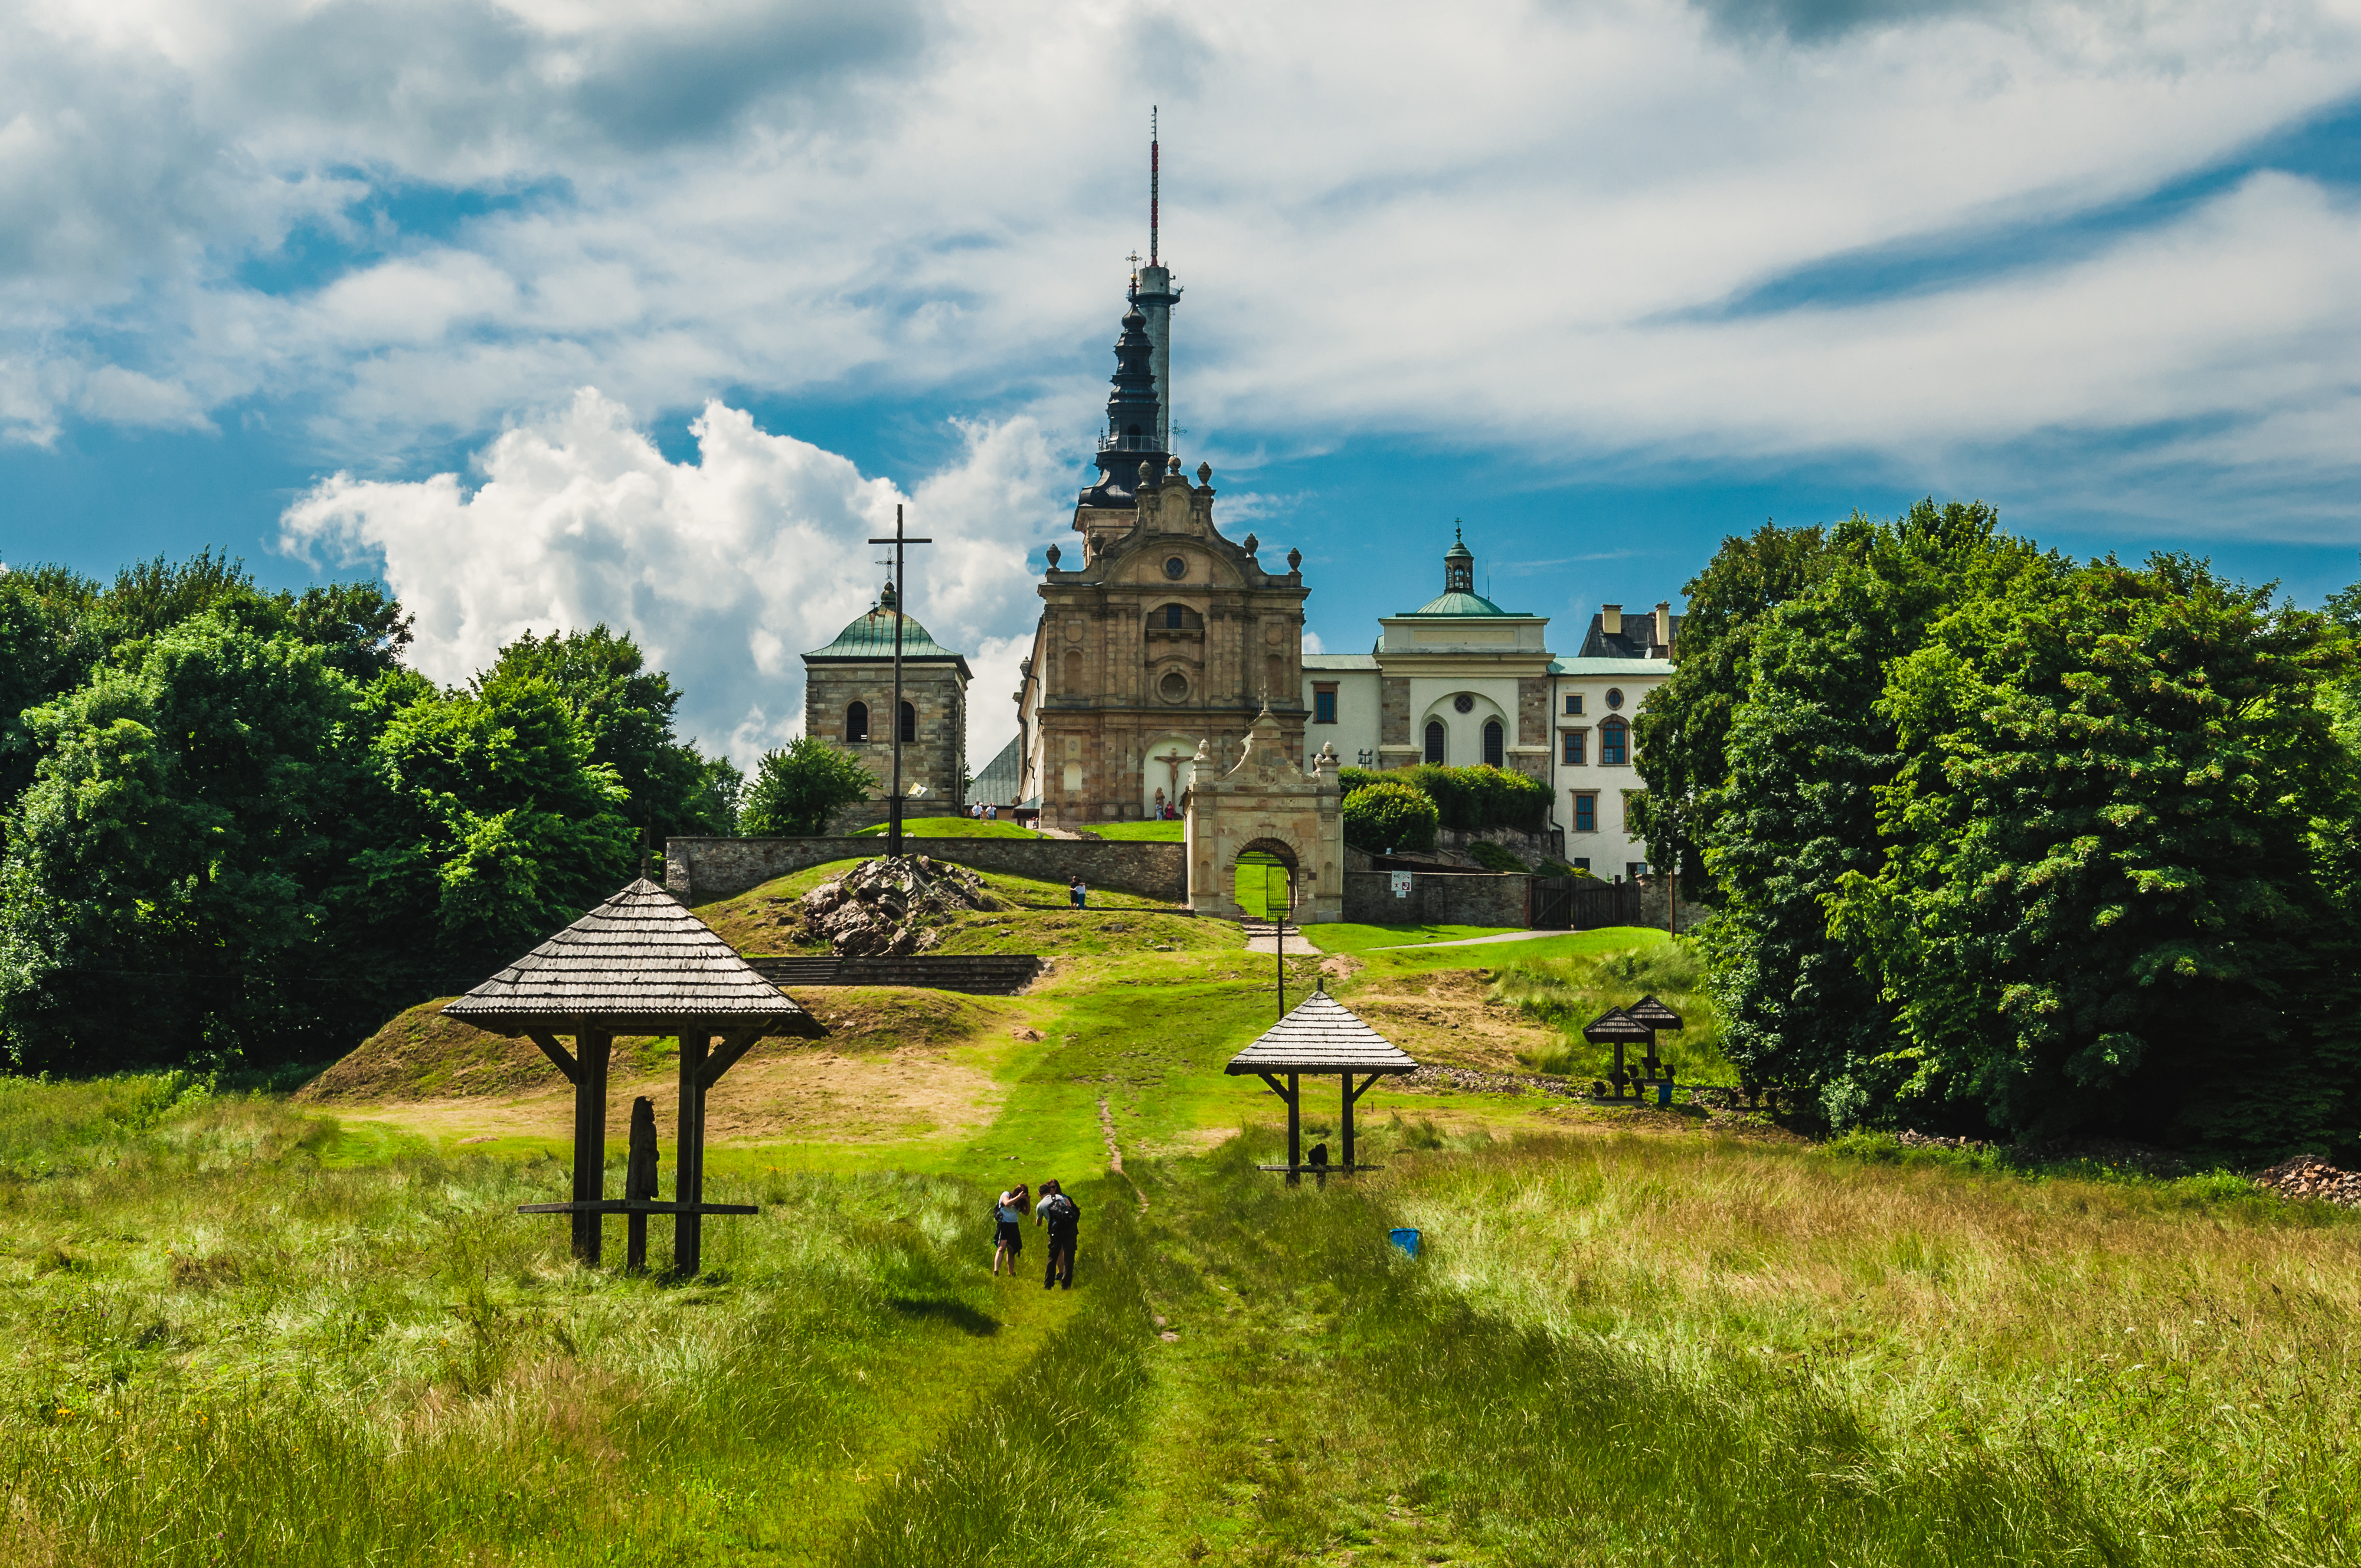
[
  {"x": 1161, "y": 642},
  {"x": 1159, "y": 634}
]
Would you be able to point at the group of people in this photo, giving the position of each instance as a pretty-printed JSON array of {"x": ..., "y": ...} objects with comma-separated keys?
[
  {"x": 984, "y": 813},
  {"x": 1059, "y": 1214}
]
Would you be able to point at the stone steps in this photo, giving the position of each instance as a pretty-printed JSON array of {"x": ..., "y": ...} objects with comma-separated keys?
[{"x": 978, "y": 974}]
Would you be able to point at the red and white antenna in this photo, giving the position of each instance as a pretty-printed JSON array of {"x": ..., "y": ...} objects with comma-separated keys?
[{"x": 1154, "y": 176}]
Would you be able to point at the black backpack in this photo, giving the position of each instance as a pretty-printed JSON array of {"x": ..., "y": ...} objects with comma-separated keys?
[{"x": 1059, "y": 1211}]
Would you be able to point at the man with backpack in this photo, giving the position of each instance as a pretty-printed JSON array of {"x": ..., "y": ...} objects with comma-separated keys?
[{"x": 1064, "y": 1218}]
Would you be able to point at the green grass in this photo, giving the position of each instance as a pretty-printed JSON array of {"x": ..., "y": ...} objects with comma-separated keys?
[
  {"x": 1569, "y": 990},
  {"x": 952, "y": 827},
  {"x": 242, "y": 1334},
  {"x": 1151, "y": 831},
  {"x": 1346, "y": 937}
]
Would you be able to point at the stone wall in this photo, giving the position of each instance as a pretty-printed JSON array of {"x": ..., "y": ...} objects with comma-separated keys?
[
  {"x": 698, "y": 870},
  {"x": 1438, "y": 898},
  {"x": 1393, "y": 712}
]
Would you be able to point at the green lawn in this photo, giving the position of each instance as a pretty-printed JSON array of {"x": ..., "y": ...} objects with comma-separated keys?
[
  {"x": 1151, "y": 831},
  {"x": 952, "y": 827}
]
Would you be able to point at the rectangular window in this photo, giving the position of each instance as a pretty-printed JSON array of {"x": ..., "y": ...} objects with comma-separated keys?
[
  {"x": 1324, "y": 704},
  {"x": 1585, "y": 813},
  {"x": 1576, "y": 753},
  {"x": 1582, "y": 863},
  {"x": 1635, "y": 870},
  {"x": 1573, "y": 705}
]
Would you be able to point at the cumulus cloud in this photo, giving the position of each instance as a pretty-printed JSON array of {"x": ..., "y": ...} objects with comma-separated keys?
[
  {"x": 1535, "y": 225},
  {"x": 725, "y": 567}
]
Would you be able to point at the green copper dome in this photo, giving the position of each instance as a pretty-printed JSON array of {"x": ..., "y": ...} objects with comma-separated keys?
[{"x": 872, "y": 637}]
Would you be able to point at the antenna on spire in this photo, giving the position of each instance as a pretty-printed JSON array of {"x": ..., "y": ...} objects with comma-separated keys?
[{"x": 1155, "y": 178}]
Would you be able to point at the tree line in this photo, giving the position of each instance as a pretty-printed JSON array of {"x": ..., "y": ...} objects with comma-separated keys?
[
  {"x": 2005, "y": 842},
  {"x": 240, "y": 829}
]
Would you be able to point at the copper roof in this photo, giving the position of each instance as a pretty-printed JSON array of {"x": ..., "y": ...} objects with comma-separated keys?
[
  {"x": 1322, "y": 1035},
  {"x": 637, "y": 964}
]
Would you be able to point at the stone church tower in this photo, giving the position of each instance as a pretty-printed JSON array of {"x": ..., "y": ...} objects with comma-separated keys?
[
  {"x": 1161, "y": 635},
  {"x": 849, "y": 699}
]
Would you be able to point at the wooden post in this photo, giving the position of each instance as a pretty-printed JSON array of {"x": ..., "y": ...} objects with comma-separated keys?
[
  {"x": 1349, "y": 1124},
  {"x": 591, "y": 1051},
  {"x": 1294, "y": 1132},
  {"x": 688, "y": 1158}
]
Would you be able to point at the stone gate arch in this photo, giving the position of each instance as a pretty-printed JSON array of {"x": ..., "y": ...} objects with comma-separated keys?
[{"x": 1266, "y": 805}]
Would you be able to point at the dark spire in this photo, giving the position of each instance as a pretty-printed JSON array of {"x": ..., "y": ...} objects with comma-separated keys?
[
  {"x": 1458, "y": 565},
  {"x": 1130, "y": 440}
]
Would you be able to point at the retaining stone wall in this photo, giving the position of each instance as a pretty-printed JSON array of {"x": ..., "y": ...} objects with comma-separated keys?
[
  {"x": 698, "y": 870},
  {"x": 1439, "y": 898}
]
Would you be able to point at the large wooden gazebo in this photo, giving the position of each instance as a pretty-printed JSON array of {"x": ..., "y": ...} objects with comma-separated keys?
[
  {"x": 638, "y": 964},
  {"x": 1320, "y": 1036}
]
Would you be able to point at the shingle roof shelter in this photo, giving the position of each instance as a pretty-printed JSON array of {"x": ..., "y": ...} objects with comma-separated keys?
[
  {"x": 638, "y": 964},
  {"x": 1320, "y": 1036}
]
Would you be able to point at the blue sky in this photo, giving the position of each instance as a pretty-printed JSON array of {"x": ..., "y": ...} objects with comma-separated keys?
[{"x": 554, "y": 311}]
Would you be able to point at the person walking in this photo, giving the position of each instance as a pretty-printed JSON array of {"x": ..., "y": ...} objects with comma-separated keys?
[
  {"x": 1008, "y": 1228},
  {"x": 1064, "y": 1218}
]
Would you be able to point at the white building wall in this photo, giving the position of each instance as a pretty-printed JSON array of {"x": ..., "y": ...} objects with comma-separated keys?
[
  {"x": 1354, "y": 732},
  {"x": 1608, "y": 848}
]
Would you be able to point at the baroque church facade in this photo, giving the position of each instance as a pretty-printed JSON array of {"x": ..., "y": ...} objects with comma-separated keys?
[
  {"x": 1162, "y": 645},
  {"x": 1159, "y": 634}
]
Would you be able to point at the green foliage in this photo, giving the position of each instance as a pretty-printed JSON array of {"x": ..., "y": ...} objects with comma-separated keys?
[
  {"x": 2116, "y": 887},
  {"x": 493, "y": 828},
  {"x": 1494, "y": 857},
  {"x": 1468, "y": 800},
  {"x": 1567, "y": 992},
  {"x": 1389, "y": 816},
  {"x": 1681, "y": 733},
  {"x": 798, "y": 787},
  {"x": 166, "y": 894},
  {"x": 2009, "y": 844},
  {"x": 626, "y": 712}
]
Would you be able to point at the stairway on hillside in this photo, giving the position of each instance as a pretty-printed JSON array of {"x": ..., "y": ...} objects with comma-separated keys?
[{"x": 978, "y": 974}]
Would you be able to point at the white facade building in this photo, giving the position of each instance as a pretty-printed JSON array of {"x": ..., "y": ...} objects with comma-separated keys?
[{"x": 1461, "y": 681}]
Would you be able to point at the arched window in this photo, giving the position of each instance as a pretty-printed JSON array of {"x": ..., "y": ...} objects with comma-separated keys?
[
  {"x": 1614, "y": 744},
  {"x": 1435, "y": 742},
  {"x": 1073, "y": 674},
  {"x": 909, "y": 723},
  {"x": 856, "y": 724},
  {"x": 1131, "y": 437},
  {"x": 1494, "y": 752}
]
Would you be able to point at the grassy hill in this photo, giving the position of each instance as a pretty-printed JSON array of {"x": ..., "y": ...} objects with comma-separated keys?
[{"x": 252, "y": 1330}]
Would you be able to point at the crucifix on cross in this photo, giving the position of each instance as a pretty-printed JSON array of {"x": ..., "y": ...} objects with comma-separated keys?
[{"x": 1172, "y": 760}]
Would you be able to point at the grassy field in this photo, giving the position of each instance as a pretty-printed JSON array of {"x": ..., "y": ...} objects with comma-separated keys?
[
  {"x": 954, "y": 828},
  {"x": 246, "y": 1330},
  {"x": 1154, "y": 832}
]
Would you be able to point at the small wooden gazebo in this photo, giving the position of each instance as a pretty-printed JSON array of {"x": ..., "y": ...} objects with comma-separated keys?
[
  {"x": 1618, "y": 1027},
  {"x": 1320, "y": 1036},
  {"x": 638, "y": 964}
]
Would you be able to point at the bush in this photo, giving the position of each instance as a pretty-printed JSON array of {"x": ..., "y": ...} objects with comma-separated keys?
[
  {"x": 1493, "y": 858},
  {"x": 1468, "y": 800},
  {"x": 796, "y": 790},
  {"x": 1388, "y": 816}
]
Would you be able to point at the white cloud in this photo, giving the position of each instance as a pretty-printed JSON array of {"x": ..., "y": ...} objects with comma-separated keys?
[
  {"x": 1494, "y": 223},
  {"x": 726, "y": 568}
]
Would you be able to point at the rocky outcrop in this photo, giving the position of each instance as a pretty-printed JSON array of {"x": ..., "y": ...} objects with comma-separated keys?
[{"x": 891, "y": 907}]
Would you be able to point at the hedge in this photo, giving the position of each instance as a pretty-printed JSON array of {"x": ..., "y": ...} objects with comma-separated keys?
[{"x": 1470, "y": 799}]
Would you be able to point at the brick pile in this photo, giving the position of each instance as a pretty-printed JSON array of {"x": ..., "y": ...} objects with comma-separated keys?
[{"x": 2308, "y": 1176}]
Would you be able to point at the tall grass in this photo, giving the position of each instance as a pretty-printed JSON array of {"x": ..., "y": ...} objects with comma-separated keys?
[
  {"x": 223, "y": 1349},
  {"x": 1682, "y": 1352},
  {"x": 1569, "y": 993}
]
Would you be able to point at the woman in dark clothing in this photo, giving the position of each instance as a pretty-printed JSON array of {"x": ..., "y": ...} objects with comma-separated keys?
[
  {"x": 1064, "y": 1218},
  {"x": 1008, "y": 1228}
]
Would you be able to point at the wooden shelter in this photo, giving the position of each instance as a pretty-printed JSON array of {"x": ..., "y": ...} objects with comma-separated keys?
[
  {"x": 1618, "y": 1027},
  {"x": 1320, "y": 1036},
  {"x": 1654, "y": 1014},
  {"x": 638, "y": 964}
]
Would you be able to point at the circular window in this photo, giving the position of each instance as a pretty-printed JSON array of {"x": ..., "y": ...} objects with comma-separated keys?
[
  {"x": 1173, "y": 687},
  {"x": 1614, "y": 696},
  {"x": 1463, "y": 703},
  {"x": 1175, "y": 567}
]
